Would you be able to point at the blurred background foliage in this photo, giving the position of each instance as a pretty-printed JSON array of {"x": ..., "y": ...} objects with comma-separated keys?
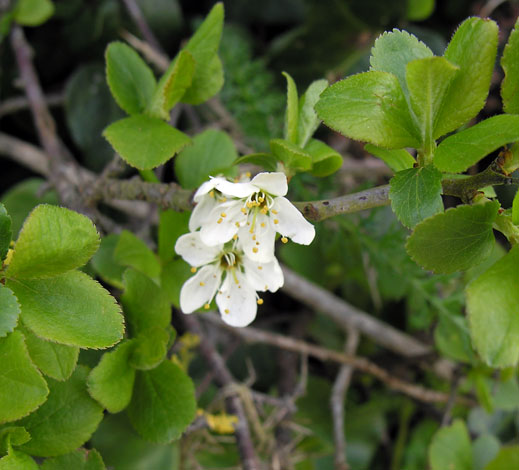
[{"x": 362, "y": 256}]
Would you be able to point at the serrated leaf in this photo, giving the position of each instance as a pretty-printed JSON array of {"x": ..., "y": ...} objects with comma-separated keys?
[
  {"x": 460, "y": 151},
  {"x": 206, "y": 83},
  {"x": 131, "y": 81},
  {"x": 57, "y": 361},
  {"x": 172, "y": 224},
  {"x": 212, "y": 150},
  {"x": 416, "y": 194},
  {"x": 132, "y": 251},
  {"x": 53, "y": 240},
  {"x": 104, "y": 263},
  {"x": 450, "y": 448},
  {"x": 393, "y": 50},
  {"x": 396, "y": 159},
  {"x": 510, "y": 64},
  {"x": 428, "y": 81},
  {"x": 145, "y": 303},
  {"x": 12, "y": 436},
  {"x": 308, "y": 122},
  {"x": 5, "y": 232},
  {"x": 9, "y": 311},
  {"x": 145, "y": 142},
  {"x": 173, "y": 85},
  {"x": 80, "y": 459},
  {"x": 493, "y": 308},
  {"x": 150, "y": 348},
  {"x": 292, "y": 111},
  {"x": 65, "y": 421},
  {"x": 456, "y": 240},
  {"x": 473, "y": 49},
  {"x": 16, "y": 460},
  {"x": 70, "y": 309},
  {"x": 265, "y": 160},
  {"x": 506, "y": 459},
  {"x": 370, "y": 107},
  {"x": 111, "y": 381},
  {"x": 33, "y": 12},
  {"x": 22, "y": 387},
  {"x": 325, "y": 160},
  {"x": 291, "y": 155},
  {"x": 163, "y": 403}
]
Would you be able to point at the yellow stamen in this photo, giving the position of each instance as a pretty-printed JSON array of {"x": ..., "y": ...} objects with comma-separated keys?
[
  {"x": 276, "y": 221},
  {"x": 260, "y": 301},
  {"x": 257, "y": 243},
  {"x": 260, "y": 267},
  {"x": 255, "y": 250},
  {"x": 211, "y": 193},
  {"x": 264, "y": 210},
  {"x": 284, "y": 239},
  {"x": 261, "y": 199},
  {"x": 193, "y": 269},
  {"x": 247, "y": 174},
  {"x": 250, "y": 205},
  {"x": 273, "y": 211},
  {"x": 202, "y": 284},
  {"x": 223, "y": 214},
  {"x": 237, "y": 224},
  {"x": 206, "y": 306},
  {"x": 263, "y": 224},
  {"x": 226, "y": 310},
  {"x": 224, "y": 199},
  {"x": 254, "y": 237},
  {"x": 235, "y": 236},
  {"x": 219, "y": 221},
  {"x": 243, "y": 210}
]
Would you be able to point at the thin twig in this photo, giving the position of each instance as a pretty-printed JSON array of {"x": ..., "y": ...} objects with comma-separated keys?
[
  {"x": 20, "y": 103},
  {"x": 142, "y": 25},
  {"x": 234, "y": 405},
  {"x": 340, "y": 387},
  {"x": 417, "y": 392}
]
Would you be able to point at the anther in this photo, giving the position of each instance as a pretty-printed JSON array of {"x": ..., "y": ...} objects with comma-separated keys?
[
  {"x": 237, "y": 224},
  {"x": 260, "y": 301},
  {"x": 235, "y": 236},
  {"x": 263, "y": 224},
  {"x": 226, "y": 310},
  {"x": 193, "y": 269},
  {"x": 273, "y": 211},
  {"x": 206, "y": 306},
  {"x": 284, "y": 239},
  {"x": 244, "y": 210},
  {"x": 276, "y": 221},
  {"x": 223, "y": 214},
  {"x": 255, "y": 250},
  {"x": 202, "y": 284},
  {"x": 260, "y": 267},
  {"x": 219, "y": 221},
  {"x": 211, "y": 193}
]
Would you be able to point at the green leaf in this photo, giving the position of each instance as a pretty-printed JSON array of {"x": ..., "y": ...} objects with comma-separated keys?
[
  {"x": 393, "y": 50},
  {"x": 132, "y": 251},
  {"x": 506, "y": 394},
  {"x": 80, "y": 459},
  {"x": 416, "y": 194},
  {"x": 12, "y": 436},
  {"x": 172, "y": 224},
  {"x": 104, "y": 263},
  {"x": 450, "y": 448},
  {"x": 212, "y": 151},
  {"x": 5, "y": 232},
  {"x": 70, "y": 309},
  {"x": 460, "y": 151},
  {"x": 265, "y": 160},
  {"x": 65, "y": 421},
  {"x": 16, "y": 460},
  {"x": 145, "y": 142},
  {"x": 507, "y": 458},
  {"x": 459, "y": 238},
  {"x": 57, "y": 361},
  {"x": 484, "y": 449},
  {"x": 370, "y": 107},
  {"x": 174, "y": 274},
  {"x": 33, "y": 12},
  {"x": 292, "y": 111},
  {"x": 397, "y": 159},
  {"x": 9, "y": 311},
  {"x": 510, "y": 64},
  {"x": 418, "y": 10},
  {"x": 203, "y": 45},
  {"x": 293, "y": 157},
  {"x": 428, "y": 81},
  {"x": 53, "y": 240},
  {"x": 515, "y": 209},
  {"x": 22, "y": 387},
  {"x": 111, "y": 381},
  {"x": 452, "y": 338},
  {"x": 172, "y": 85},
  {"x": 23, "y": 197},
  {"x": 492, "y": 303},
  {"x": 308, "y": 122},
  {"x": 473, "y": 49},
  {"x": 150, "y": 348},
  {"x": 163, "y": 403},
  {"x": 145, "y": 303},
  {"x": 325, "y": 160},
  {"x": 130, "y": 79}
]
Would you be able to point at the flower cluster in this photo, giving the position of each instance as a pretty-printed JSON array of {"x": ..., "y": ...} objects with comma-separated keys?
[{"x": 231, "y": 244}]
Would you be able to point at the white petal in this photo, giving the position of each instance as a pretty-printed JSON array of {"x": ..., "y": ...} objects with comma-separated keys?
[
  {"x": 200, "y": 289},
  {"x": 263, "y": 276},
  {"x": 207, "y": 187},
  {"x": 201, "y": 212},
  {"x": 218, "y": 229},
  {"x": 272, "y": 183},
  {"x": 237, "y": 300},
  {"x": 291, "y": 223},
  {"x": 194, "y": 251},
  {"x": 258, "y": 245},
  {"x": 240, "y": 190}
]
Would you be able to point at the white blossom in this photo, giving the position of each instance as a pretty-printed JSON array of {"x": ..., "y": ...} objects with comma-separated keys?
[
  {"x": 226, "y": 272},
  {"x": 253, "y": 212}
]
